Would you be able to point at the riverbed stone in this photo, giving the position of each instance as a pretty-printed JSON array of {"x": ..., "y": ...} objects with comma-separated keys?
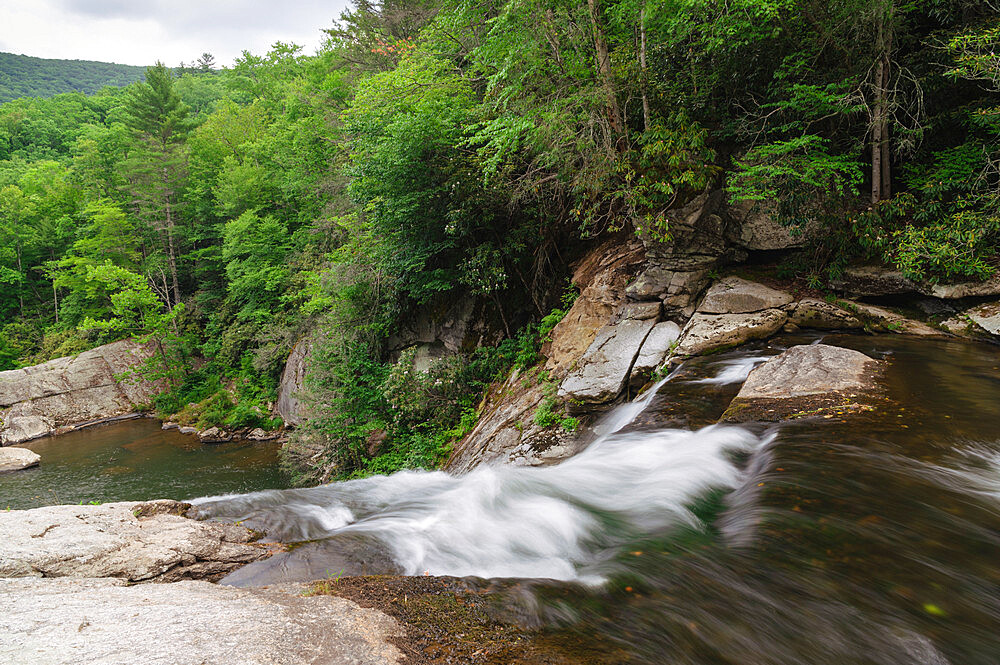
[
  {"x": 603, "y": 370},
  {"x": 72, "y": 621},
  {"x": 131, "y": 541},
  {"x": 15, "y": 459},
  {"x": 214, "y": 435},
  {"x": 804, "y": 380},
  {"x": 734, "y": 295},
  {"x": 96, "y": 385}
]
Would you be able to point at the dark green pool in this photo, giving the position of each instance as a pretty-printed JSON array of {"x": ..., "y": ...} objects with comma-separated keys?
[{"x": 136, "y": 460}]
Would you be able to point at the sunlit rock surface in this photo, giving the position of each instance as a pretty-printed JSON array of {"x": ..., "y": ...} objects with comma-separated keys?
[
  {"x": 95, "y": 385},
  {"x": 129, "y": 541},
  {"x": 73, "y": 621}
]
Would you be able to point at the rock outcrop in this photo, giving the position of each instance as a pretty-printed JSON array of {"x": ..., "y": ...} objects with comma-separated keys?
[
  {"x": 877, "y": 280},
  {"x": 756, "y": 229},
  {"x": 732, "y": 312},
  {"x": 96, "y": 385},
  {"x": 654, "y": 352},
  {"x": 822, "y": 315},
  {"x": 136, "y": 542},
  {"x": 15, "y": 459},
  {"x": 806, "y": 380},
  {"x": 289, "y": 407},
  {"x": 604, "y": 369},
  {"x": 72, "y": 621}
]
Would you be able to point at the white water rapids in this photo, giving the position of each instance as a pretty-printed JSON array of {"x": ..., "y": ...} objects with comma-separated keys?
[{"x": 556, "y": 522}]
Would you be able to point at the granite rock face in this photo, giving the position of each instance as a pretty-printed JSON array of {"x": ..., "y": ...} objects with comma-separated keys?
[
  {"x": 654, "y": 351},
  {"x": 15, "y": 459},
  {"x": 756, "y": 229},
  {"x": 74, "y": 621},
  {"x": 288, "y": 406},
  {"x": 136, "y": 542},
  {"x": 66, "y": 392}
]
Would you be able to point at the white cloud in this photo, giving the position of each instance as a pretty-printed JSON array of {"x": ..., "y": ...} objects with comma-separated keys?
[{"x": 140, "y": 32}]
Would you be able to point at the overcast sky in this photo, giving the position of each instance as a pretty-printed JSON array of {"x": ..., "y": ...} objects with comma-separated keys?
[{"x": 140, "y": 32}]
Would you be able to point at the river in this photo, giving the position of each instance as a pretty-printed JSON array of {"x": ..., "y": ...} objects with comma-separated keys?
[
  {"x": 134, "y": 460},
  {"x": 873, "y": 538}
]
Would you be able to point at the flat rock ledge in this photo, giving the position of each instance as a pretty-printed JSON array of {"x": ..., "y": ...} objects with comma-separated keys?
[
  {"x": 15, "y": 459},
  {"x": 808, "y": 380},
  {"x": 71, "y": 621},
  {"x": 133, "y": 541}
]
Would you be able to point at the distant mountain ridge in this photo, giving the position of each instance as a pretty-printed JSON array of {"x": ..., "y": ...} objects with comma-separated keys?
[{"x": 27, "y": 76}]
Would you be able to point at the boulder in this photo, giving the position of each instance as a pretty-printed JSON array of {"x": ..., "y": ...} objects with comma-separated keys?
[
  {"x": 132, "y": 541},
  {"x": 94, "y": 386},
  {"x": 71, "y": 621},
  {"x": 214, "y": 435},
  {"x": 260, "y": 434},
  {"x": 654, "y": 351},
  {"x": 710, "y": 332},
  {"x": 15, "y": 459},
  {"x": 734, "y": 295},
  {"x": 20, "y": 429},
  {"x": 601, "y": 373},
  {"x": 885, "y": 320},
  {"x": 815, "y": 313},
  {"x": 806, "y": 380},
  {"x": 288, "y": 406}
]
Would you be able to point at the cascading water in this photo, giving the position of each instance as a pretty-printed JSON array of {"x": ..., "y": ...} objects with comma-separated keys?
[
  {"x": 867, "y": 539},
  {"x": 560, "y": 522}
]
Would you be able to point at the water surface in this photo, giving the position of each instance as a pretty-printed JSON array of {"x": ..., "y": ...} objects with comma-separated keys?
[{"x": 135, "y": 460}]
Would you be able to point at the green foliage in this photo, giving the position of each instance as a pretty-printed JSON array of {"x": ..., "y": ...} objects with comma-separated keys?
[{"x": 25, "y": 76}]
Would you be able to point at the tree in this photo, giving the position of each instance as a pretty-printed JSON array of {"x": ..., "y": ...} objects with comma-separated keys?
[
  {"x": 160, "y": 119},
  {"x": 206, "y": 62}
]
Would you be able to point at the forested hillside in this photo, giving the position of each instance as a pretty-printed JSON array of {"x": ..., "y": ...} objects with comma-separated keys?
[
  {"x": 435, "y": 149},
  {"x": 25, "y": 76}
]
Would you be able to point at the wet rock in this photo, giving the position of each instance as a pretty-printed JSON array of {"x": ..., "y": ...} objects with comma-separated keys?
[
  {"x": 15, "y": 459},
  {"x": 131, "y": 541},
  {"x": 169, "y": 425},
  {"x": 187, "y": 430},
  {"x": 710, "y": 332},
  {"x": 214, "y": 435},
  {"x": 288, "y": 406},
  {"x": 71, "y": 621},
  {"x": 805, "y": 380},
  {"x": 95, "y": 385},
  {"x": 815, "y": 313},
  {"x": 654, "y": 351},
  {"x": 734, "y": 295},
  {"x": 603, "y": 370}
]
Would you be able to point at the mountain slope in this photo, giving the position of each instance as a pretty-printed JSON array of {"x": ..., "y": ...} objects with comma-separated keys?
[{"x": 25, "y": 76}]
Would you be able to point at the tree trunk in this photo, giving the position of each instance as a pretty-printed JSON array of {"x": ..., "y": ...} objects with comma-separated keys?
[
  {"x": 604, "y": 69},
  {"x": 881, "y": 157},
  {"x": 878, "y": 125},
  {"x": 642, "y": 67}
]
